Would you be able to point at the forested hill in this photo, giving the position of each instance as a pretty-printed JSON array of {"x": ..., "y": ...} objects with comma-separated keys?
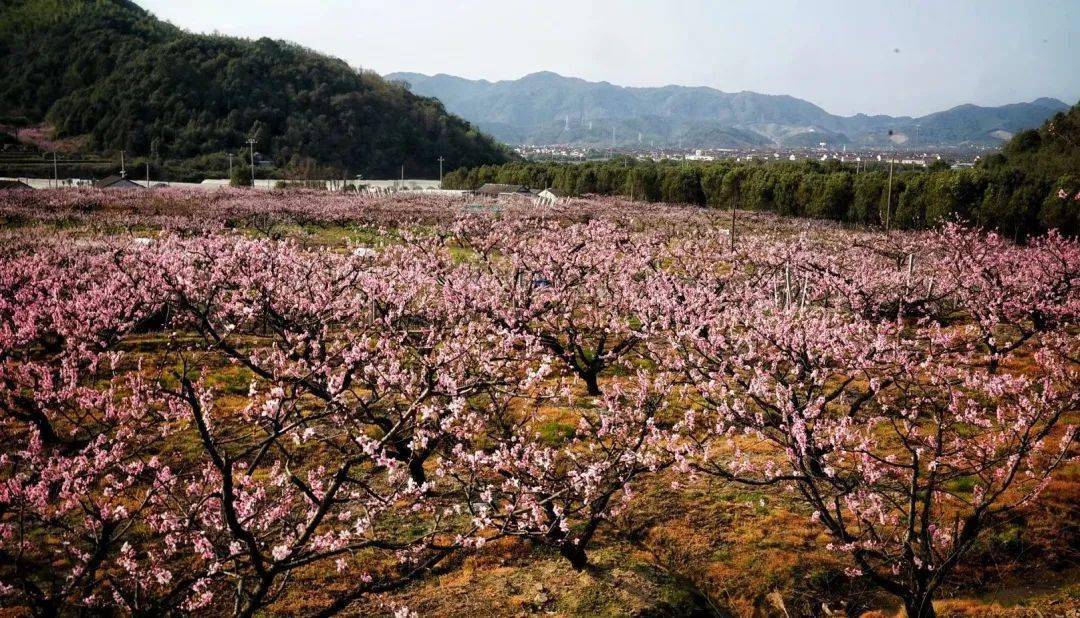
[
  {"x": 112, "y": 74},
  {"x": 1051, "y": 151}
]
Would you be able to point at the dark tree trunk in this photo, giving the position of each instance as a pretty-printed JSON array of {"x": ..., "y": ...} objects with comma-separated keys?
[
  {"x": 575, "y": 554},
  {"x": 46, "y": 608},
  {"x": 921, "y": 607},
  {"x": 416, "y": 470},
  {"x": 591, "y": 383}
]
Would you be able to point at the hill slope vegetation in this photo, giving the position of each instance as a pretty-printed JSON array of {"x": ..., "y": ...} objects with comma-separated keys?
[{"x": 113, "y": 73}]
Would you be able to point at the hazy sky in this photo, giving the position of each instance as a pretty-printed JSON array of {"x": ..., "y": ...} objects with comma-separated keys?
[{"x": 899, "y": 57}]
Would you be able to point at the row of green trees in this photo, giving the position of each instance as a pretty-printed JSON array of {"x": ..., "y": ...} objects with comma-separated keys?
[
  {"x": 1006, "y": 199},
  {"x": 1029, "y": 187}
]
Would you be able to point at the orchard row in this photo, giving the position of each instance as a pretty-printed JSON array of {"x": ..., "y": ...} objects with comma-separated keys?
[{"x": 191, "y": 417}]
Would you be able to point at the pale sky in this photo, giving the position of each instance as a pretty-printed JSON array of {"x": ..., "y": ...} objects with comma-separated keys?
[{"x": 898, "y": 57}]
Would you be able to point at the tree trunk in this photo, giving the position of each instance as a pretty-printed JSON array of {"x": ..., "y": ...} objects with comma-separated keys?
[
  {"x": 921, "y": 607},
  {"x": 591, "y": 383},
  {"x": 575, "y": 554},
  {"x": 416, "y": 470},
  {"x": 46, "y": 608}
]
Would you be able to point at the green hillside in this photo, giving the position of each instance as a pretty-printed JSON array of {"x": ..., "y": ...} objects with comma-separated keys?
[
  {"x": 1042, "y": 162},
  {"x": 1052, "y": 150},
  {"x": 113, "y": 74}
]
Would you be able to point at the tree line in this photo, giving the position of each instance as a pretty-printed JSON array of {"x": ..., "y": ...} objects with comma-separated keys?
[
  {"x": 1001, "y": 198},
  {"x": 1029, "y": 187}
]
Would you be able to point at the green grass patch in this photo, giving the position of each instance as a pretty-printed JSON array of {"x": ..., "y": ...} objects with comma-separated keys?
[{"x": 554, "y": 433}]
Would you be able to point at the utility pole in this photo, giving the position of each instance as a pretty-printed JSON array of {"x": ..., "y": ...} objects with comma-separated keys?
[
  {"x": 123, "y": 168},
  {"x": 251, "y": 145},
  {"x": 147, "y": 174},
  {"x": 888, "y": 197},
  {"x": 441, "y": 159},
  {"x": 732, "y": 222},
  {"x": 56, "y": 175},
  {"x": 402, "y": 176}
]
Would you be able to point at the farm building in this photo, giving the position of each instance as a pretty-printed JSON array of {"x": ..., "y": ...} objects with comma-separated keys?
[
  {"x": 116, "y": 182},
  {"x": 13, "y": 184},
  {"x": 550, "y": 197},
  {"x": 494, "y": 189}
]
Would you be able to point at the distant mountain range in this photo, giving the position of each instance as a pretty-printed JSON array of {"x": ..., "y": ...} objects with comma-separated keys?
[{"x": 547, "y": 108}]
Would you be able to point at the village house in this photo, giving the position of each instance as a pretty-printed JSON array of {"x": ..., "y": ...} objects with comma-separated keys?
[
  {"x": 13, "y": 184},
  {"x": 550, "y": 197},
  {"x": 495, "y": 190},
  {"x": 116, "y": 182}
]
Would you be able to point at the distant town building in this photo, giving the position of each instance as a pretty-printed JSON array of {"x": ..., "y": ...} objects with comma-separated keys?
[
  {"x": 699, "y": 156},
  {"x": 116, "y": 182}
]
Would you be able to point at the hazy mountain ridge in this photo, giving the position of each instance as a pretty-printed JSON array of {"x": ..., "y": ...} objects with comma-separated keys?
[{"x": 546, "y": 107}]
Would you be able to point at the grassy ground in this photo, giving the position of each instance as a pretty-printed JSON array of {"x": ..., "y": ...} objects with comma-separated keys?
[{"x": 711, "y": 551}]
